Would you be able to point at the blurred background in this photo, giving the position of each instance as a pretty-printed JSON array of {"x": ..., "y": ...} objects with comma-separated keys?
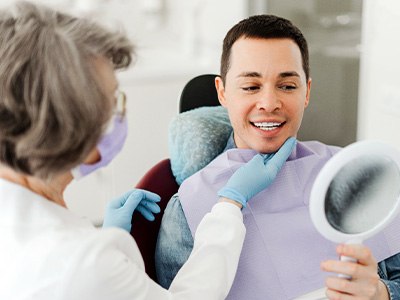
[{"x": 353, "y": 60}]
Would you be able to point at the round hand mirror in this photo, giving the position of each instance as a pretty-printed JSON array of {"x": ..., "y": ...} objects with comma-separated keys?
[{"x": 356, "y": 194}]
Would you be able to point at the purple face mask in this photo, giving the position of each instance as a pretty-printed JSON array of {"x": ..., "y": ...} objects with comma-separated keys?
[{"x": 109, "y": 146}]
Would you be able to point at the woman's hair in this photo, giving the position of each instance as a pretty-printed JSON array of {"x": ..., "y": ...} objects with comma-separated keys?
[{"x": 53, "y": 107}]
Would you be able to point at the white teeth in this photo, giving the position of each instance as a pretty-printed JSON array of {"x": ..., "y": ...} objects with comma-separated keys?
[{"x": 267, "y": 125}]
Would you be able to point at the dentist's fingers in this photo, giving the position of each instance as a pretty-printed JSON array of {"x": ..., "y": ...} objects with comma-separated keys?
[
  {"x": 276, "y": 161},
  {"x": 150, "y": 205},
  {"x": 284, "y": 152},
  {"x": 146, "y": 213}
]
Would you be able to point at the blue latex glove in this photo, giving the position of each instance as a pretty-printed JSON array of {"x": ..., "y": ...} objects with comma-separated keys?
[
  {"x": 256, "y": 175},
  {"x": 119, "y": 211}
]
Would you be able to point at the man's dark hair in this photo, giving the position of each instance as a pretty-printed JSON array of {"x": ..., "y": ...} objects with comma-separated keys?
[{"x": 263, "y": 27}]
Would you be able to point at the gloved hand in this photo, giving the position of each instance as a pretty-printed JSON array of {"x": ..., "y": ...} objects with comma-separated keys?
[
  {"x": 256, "y": 175},
  {"x": 119, "y": 211}
]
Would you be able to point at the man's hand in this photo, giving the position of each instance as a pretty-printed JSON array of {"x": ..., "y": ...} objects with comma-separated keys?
[
  {"x": 256, "y": 175},
  {"x": 364, "y": 282}
]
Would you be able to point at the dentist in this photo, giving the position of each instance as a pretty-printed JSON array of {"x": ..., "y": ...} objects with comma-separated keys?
[{"x": 59, "y": 120}]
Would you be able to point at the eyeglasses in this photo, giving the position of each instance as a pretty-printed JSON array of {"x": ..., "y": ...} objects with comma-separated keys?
[{"x": 120, "y": 103}]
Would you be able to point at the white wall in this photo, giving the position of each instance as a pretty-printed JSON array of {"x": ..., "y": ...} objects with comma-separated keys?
[{"x": 379, "y": 94}]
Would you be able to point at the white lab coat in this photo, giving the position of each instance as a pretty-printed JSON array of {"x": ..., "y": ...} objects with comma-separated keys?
[{"x": 46, "y": 252}]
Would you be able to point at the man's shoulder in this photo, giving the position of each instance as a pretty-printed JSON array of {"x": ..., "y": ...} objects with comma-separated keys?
[{"x": 173, "y": 209}]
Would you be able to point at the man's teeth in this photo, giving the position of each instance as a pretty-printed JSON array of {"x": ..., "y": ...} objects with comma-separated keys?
[{"x": 267, "y": 125}]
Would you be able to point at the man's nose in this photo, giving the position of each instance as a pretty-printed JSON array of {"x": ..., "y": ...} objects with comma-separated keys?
[{"x": 268, "y": 100}]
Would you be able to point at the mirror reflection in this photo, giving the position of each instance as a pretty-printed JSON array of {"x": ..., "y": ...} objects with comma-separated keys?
[{"x": 362, "y": 194}]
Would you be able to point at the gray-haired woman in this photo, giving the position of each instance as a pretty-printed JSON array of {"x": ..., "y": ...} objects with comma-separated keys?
[{"x": 57, "y": 99}]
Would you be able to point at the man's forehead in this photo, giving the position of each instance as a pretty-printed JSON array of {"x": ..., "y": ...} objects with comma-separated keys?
[
  {"x": 251, "y": 57},
  {"x": 251, "y": 48}
]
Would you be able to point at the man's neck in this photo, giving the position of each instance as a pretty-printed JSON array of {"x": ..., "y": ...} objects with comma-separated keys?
[{"x": 230, "y": 144}]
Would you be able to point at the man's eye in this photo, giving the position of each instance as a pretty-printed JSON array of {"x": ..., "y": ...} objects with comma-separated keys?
[
  {"x": 288, "y": 87},
  {"x": 250, "y": 88}
]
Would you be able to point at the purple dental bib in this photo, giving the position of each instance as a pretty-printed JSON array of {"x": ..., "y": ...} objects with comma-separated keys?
[{"x": 282, "y": 251}]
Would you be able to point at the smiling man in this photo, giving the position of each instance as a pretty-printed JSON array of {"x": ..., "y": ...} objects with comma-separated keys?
[
  {"x": 265, "y": 86},
  {"x": 265, "y": 92}
]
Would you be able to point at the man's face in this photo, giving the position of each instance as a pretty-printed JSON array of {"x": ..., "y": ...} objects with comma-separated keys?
[{"x": 265, "y": 92}]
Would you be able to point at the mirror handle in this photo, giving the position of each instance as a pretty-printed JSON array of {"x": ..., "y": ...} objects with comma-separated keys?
[{"x": 349, "y": 259}]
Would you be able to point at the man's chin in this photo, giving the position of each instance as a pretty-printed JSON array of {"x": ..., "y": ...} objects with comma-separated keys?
[
  {"x": 262, "y": 145},
  {"x": 269, "y": 148}
]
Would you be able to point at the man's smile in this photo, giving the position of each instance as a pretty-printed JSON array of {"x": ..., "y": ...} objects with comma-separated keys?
[{"x": 267, "y": 126}]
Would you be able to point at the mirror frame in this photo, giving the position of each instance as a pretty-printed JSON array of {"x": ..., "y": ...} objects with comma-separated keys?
[{"x": 324, "y": 178}]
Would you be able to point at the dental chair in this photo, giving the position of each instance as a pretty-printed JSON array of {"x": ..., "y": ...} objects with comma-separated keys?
[{"x": 198, "y": 92}]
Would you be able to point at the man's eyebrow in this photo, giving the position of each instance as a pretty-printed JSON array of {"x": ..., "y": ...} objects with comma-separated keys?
[
  {"x": 258, "y": 75},
  {"x": 289, "y": 74},
  {"x": 249, "y": 74}
]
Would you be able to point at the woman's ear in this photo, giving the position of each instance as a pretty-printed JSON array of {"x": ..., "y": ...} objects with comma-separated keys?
[{"x": 93, "y": 157}]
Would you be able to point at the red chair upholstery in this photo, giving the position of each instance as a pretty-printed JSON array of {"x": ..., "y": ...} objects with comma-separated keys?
[{"x": 160, "y": 180}]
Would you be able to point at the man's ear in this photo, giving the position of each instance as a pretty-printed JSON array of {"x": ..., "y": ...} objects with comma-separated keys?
[
  {"x": 219, "y": 85},
  {"x": 308, "y": 92}
]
